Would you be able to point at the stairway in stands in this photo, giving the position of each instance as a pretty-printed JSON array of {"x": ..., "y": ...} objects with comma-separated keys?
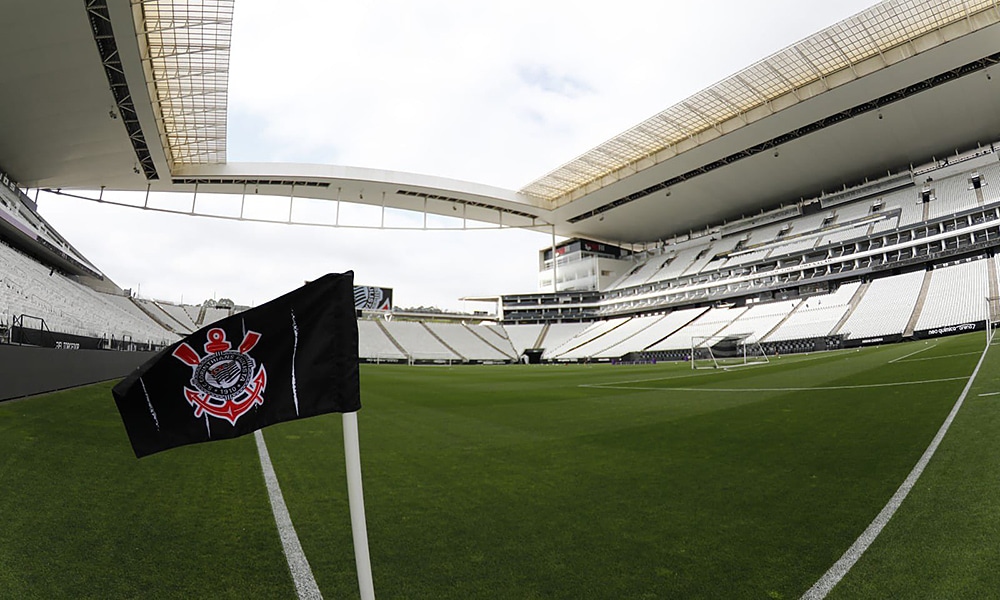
[
  {"x": 855, "y": 300},
  {"x": 764, "y": 337},
  {"x": 385, "y": 330},
  {"x": 541, "y": 336},
  {"x": 912, "y": 323},
  {"x": 444, "y": 343},
  {"x": 991, "y": 273},
  {"x": 509, "y": 353}
]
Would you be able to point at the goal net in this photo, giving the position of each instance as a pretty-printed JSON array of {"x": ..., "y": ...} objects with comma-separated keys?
[
  {"x": 726, "y": 351},
  {"x": 992, "y": 318}
]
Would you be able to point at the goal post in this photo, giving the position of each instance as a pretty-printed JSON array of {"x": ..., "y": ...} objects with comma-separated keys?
[
  {"x": 726, "y": 351},
  {"x": 992, "y": 317}
]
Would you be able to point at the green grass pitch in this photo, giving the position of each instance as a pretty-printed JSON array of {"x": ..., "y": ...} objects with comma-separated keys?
[{"x": 582, "y": 481}]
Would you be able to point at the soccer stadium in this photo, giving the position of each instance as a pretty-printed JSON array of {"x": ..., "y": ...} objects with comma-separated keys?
[{"x": 759, "y": 362}]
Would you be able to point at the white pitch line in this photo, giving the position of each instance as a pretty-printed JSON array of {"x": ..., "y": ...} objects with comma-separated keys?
[
  {"x": 832, "y": 577},
  {"x": 940, "y": 357},
  {"x": 912, "y": 353},
  {"x": 302, "y": 576},
  {"x": 990, "y": 394},
  {"x": 777, "y": 389},
  {"x": 705, "y": 373}
]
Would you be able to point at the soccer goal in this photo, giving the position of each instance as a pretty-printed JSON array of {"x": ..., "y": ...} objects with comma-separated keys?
[
  {"x": 992, "y": 319},
  {"x": 726, "y": 351}
]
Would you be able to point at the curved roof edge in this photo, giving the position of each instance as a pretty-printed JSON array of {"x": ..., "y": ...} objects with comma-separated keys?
[
  {"x": 374, "y": 187},
  {"x": 867, "y": 42}
]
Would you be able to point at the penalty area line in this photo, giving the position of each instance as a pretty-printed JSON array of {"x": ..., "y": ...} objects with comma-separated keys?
[
  {"x": 912, "y": 353},
  {"x": 776, "y": 389},
  {"x": 302, "y": 575},
  {"x": 832, "y": 577},
  {"x": 704, "y": 373}
]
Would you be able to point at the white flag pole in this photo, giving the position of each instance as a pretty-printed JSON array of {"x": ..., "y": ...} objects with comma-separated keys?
[{"x": 356, "y": 499}]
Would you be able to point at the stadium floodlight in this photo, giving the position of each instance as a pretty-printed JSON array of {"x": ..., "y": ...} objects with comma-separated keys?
[{"x": 726, "y": 351}]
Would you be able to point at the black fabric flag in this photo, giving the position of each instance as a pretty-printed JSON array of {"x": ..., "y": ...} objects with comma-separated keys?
[{"x": 294, "y": 357}]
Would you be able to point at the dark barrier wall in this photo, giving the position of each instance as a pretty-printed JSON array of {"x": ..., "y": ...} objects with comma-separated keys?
[{"x": 26, "y": 370}]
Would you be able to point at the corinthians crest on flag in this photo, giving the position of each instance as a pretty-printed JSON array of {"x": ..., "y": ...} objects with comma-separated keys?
[{"x": 294, "y": 357}]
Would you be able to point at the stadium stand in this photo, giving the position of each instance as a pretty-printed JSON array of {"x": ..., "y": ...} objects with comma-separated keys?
[
  {"x": 179, "y": 315},
  {"x": 662, "y": 328},
  {"x": 767, "y": 276},
  {"x": 196, "y": 314},
  {"x": 466, "y": 342},
  {"x": 956, "y": 294},
  {"x": 374, "y": 344},
  {"x": 496, "y": 336},
  {"x": 599, "y": 345},
  {"x": 816, "y": 316},
  {"x": 557, "y": 334},
  {"x": 418, "y": 342},
  {"x": 31, "y": 288},
  {"x": 885, "y": 308},
  {"x": 760, "y": 319},
  {"x": 213, "y": 314},
  {"x": 952, "y": 196},
  {"x": 864, "y": 235},
  {"x": 590, "y": 333},
  {"x": 524, "y": 337},
  {"x": 709, "y": 323}
]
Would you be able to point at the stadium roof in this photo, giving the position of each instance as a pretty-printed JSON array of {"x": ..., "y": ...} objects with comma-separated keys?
[
  {"x": 842, "y": 48},
  {"x": 131, "y": 95}
]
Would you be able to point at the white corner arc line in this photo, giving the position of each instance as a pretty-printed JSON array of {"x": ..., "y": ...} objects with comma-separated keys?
[
  {"x": 832, "y": 577},
  {"x": 302, "y": 576}
]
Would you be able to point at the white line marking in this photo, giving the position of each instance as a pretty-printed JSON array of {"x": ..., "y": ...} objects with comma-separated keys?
[
  {"x": 832, "y": 577},
  {"x": 305, "y": 583},
  {"x": 925, "y": 349},
  {"x": 704, "y": 373},
  {"x": 776, "y": 389},
  {"x": 990, "y": 394},
  {"x": 940, "y": 357}
]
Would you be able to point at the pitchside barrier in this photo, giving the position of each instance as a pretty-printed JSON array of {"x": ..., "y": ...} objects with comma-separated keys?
[
  {"x": 951, "y": 330},
  {"x": 27, "y": 370}
]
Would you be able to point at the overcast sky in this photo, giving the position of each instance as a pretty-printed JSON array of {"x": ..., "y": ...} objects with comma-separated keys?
[{"x": 494, "y": 93}]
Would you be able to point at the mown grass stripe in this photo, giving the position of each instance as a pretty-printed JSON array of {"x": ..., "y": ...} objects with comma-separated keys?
[{"x": 832, "y": 577}]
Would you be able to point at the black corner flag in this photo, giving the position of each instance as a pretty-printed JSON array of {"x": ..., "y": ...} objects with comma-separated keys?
[{"x": 293, "y": 357}]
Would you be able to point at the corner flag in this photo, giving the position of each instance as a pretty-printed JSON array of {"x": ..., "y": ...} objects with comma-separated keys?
[{"x": 293, "y": 357}]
